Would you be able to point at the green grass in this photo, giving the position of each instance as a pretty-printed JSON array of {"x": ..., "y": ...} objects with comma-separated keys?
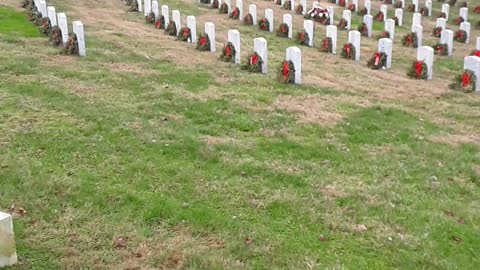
[
  {"x": 15, "y": 24},
  {"x": 175, "y": 161}
]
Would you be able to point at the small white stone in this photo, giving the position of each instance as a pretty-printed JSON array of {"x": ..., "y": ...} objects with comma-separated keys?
[
  {"x": 294, "y": 54},
  {"x": 8, "y": 254}
]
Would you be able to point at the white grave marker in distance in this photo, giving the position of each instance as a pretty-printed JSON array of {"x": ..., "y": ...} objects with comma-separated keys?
[
  {"x": 384, "y": 10},
  {"x": 472, "y": 63},
  {"x": 399, "y": 15},
  {"x": 192, "y": 24},
  {"x": 354, "y": 38},
  {"x": 368, "y": 21},
  {"x": 477, "y": 43},
  {"x": 63, "y": 25},
  {"x": 240, "y": 8},
  {"x": 155, "y": 9},
  {"x": 304, "y": 5},
  {"x": 446, "y": 37},
  {"x": 368, "y": 6},
  {"x": 8, "y": 254},
  {"x": 294, "y": 54},
  {"x": 347, "y": 15},
  {"x": 390, "y": 28},
  {"x": 385, "y": 46},
  {"x": 43, "y": 9},
  {"x": 446, "y": 10},
  {"x": 465, "y": 26},
  {"x": 269, "y": 18},
  {"x": 309, "y": 27},
  {"x": 210, "y": 31},
  {"x": 330, "y": 12},
  {"x": 252, "y": 10},
  {"x": 52, "y": 15},
  {"x": 166, "y": 15},
  {"x": 418, "y": 29},
  {"x": 229, "y": 5},
  {"x": 428, "y": 5},
  {"x": 355, "y": 2},
  {"x": 260, "y": 47},
  {"x": 233, "y": 36},
  {"x": 139, "y": 3},
  {"x": 78, "y": 30},
  {"x": 417, "y": 19},
  {"x": 332, "y": 33},
  {"x": 415, "y": 2},
  {"x": 464, "y": 13},
  {"x": 425, "y": 54},
  {"x": 147, "y": 7},
  {"x": 177, "y": 20},
  {"x": 287, "y": 19},
  {"x": 441, "y": 22}
]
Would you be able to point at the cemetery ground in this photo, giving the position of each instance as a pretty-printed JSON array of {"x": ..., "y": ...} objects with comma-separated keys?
[{"x": 148, "y": 154}]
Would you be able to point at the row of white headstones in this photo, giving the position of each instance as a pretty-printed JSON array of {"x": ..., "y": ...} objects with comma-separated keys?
[
  {"x": 385, "y": 45},
  {"x": 60, "y": 20}
]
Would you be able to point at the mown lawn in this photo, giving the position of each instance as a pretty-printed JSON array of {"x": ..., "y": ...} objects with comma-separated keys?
[{"x": 163, "y": 166}]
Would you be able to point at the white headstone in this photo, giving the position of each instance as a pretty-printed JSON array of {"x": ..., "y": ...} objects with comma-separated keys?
[
  {"x": 332, "y": 33},
  {"x": 441, "y": 22},
  {"x": 140, "y": 7},
  {"x": 229, "y": 5},
  {"x": 43, "y": 9},
  {"x": 354, "y": 38},
  {"x": 447, "y": 38},
  {"x": 78, "y": 30},
  {"x": 287, "y": 19},
  {"x": 477, "y": 44},
  {"x": 418, "y": 29},
  {"x": 52, "y": 15},
  {"x": 428, "y": 4},
  {"x": 292, "y": 5},
  {"x": 155, "y": 9},
  {"x": 446, "y": 10},
  {"x": 368, "y": 21},
  {"x": 415, "y": 2},
  {"x": 166, "y": 15},
  {"x": 355, "y": 2},
  {"x": 234, "y": 38},
  {"x": 390, "y": 28},
  {"x": 315, "y": 4},
  {"x": 399, "y": 15},
  {"x": 260, "y": 47},
  {"x": 347, "y": 15},
  {"x": 294, "y": 54},
  {"x": 472, "y": 63},
  {"x": 282, "y": 2},
  {"x": 330, "y": 11},
  {"x": 8, "y": 254},
  {"x": 240, "y": 8},
  {"x": 192, "y": 24},
  {"x": 464, "y": 13},
  {"x": 63, "y": 25},
  {"x": 36, "y": 2},
  {"x": 269, "y": 18},
  {"x": 177, "y": 19},
  {"x": 147, "y": 7},
  {"x": 385, "y": 46},
  {"x": 368, "y": 6},
  {"x": 403, "y": 3},
  {"x": 304, "y": 5},
  {"x": 417, "y": 19},
  {"x": 425, "y": 54},
  {"x": 308, "y": 26},
  {"x": 252, "y": 10},
  {"x": 384, "y": 10},
  {"x": 210, "y": 31},
  {"x": 465, "y": 26}
]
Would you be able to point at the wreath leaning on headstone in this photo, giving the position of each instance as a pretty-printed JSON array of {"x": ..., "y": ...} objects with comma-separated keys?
[
  {"x": 171, "y": 29},
  {"x": 465, "y": 82},
  {"x": 184, "y": 34},
  {"x": 46, "y": 26},
  {"x": 437, "y": 31},
  {"x": 55, "y": 36},
  {"x": 150, "y": 18},
  {"x": 342, "y": 24},
  {"x": 440, "y": 49},
  {"x": 203, "y": 43},
  {"x": 377, "y": 61},
  {"x": 410, "y": 40},
  {"x": 379, "y": 16},
  {"x": 264, "y": 24},
  {"x": 396, "y": 21},
  {"x": 34, "y": 16},
  {"x": 362, "y": 12},
  {"x": 71, "y": 48},
  {"x": 287, "y": 72},
  {"x": 287, "y": 5},
  {"x": 351, "y": 7},
  {"x": 442, "y": 15},
  {"x": 384, "y": 34},
  {"x": 133, "y": 6},
  {"x": 327, "y": 45},
  {"x": 214, "y": 4},
  {"x": 348, "y": 51},
  {"x": 303, "y": 38},
  {"x": 27, "y": 4},
  {"x": 299, "y": 9},
  {"x": 248, "y": 19},
  {"x": 398, "y": 4},
  {"x": 459, "y": 20},
  {"x": 283, "y": 30},
  {"x": 424, "y": 11},
  {"x": 235, "y": 14},
  {"x": 223, "y": 8},
  {"x": 228, "y": 53},
  {"x": 460, "y": 36},
  {"x": 362, "y": 28},
  {"x": 254, "y": 63},
  {"x": 418, "y": 70}
]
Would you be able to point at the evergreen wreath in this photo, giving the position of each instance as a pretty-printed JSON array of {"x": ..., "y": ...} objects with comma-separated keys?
[
  {"x": 341, "y": 3},
  {"x": 362, "y": 28},
  {"x": 396, "y": 21},
  {"x": 398, "y": 4},
  {"x": 476, "y": 9},
  {"x": 349, "y": 51},
  {"x": 27, "y": 4},
  {"x": 351, "y": 7},
  {"x": 278, "y": 2},
  {"x": 327, "y": 45},
  {"x": 35, "y": 16},
  {"x": 254, "y": 63},
  {"x": 203, "y": 43},
  {"x": 248, "y": 20},
  {"x": 377, "y": 61},
  {"x": 303, "y": 38},
  {"x": 379, "y": 16},
  {"x": 418, "y": 70},
  {"x": 235, "y": 14},
  {"x": 223, "y": 8},
  {"x": 133, "y": 6},
  {"x": 459, "y": 20},
  {"x": 342, "y": 24},
  {"x": 424, "y": 11},
  {"x": 171, "y": 29},
  {"x": 228, "y": 53},
  {"x": 411, "y": 8},
  {"x": 150, "y": 18},
  {"x": 410, "y": 40},
  {"x": 283, "y": 30},
  {"x": 264, "y": 24},
  {"x": 442, "y": 15},
  {"x": 384, "y": 34},
  {"x": 160, "y": 22},
  {"x": 214, "y": 4},
  {"x": 45, "y": 26},
  {"x": 465, "y": 82},
  {"x": 460, "y": 36},
  {"x": 55, "y": 36},
  {"x": 184, "y": 34},
  {"x": 287, "y": 5},
  {"x": 299, "y": 9},
  {"x": 362, "y": 12},
  {"x": 287, "y": 72},
  {"x": 437, "y": 31},
  {"x": 440, "y": 49},
  {"x": 71, "y": 48}
]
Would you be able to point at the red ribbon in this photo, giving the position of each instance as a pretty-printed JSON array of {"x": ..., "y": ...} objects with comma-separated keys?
[
  {"x": 477, "y": 53},
  {"x": 465, "y": 79},
  {"x": 203, "y": 41},
  {"x": 254, "y": 59},
  {"x": 302, "y": 36},
  {"x": 347, "y": 48},
  {"x": 285, "y": 69},
  {"x": 325, "y": 44},
  {"x": 377, "y": 58},
  {"x": 228, "y": 51},
  {"x": 418, "y": 68},
  {"x": 158, "y": 23},
  {"x": 186, "y": 32},
  {"x": 409, "y": 40}
]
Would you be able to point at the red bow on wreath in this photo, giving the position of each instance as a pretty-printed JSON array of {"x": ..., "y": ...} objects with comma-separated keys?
[
  {"x": 302, "y": 36},
  {"x": 460, "y": 34},
  {"x": 465, "y": 79},
  {"x": 347, "y": 49},
  {"x": 228, "y": 51},
  {"x": 325, "y": 44},
  {"x": 418, "y": 68},
  {"x": 158, "y": 23},
  {"x": 409, "y": 40},
  {"x": 254, "y": 59},
  {"x": 284, "y": 29},
  {"x": 186, "y": 32},
  {"x": 285, "y": 69},
  {"x": 476, "y": 53},
  {"x": 377, "y": 58},
  {"x": 70, "y": 41},
  {"x": 203, "y": 41}
]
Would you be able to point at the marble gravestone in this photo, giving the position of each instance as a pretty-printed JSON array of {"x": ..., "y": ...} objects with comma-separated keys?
[
  {"x": 294, "y": 54},
  {"x": 347, "y": 15},
  {"x": 446, "y": 37},
  {"x": 446, "y": 10},
  {"x": 385, "y": 46},
  {"x": 52, "y": 15},
  {"x": 332, "y": 33},
  {"x": 390, "y": 28},
  {"x": 192, "y": 24},
  {"x": 368, "y": 21},
  {"x": 354, "y": 38},
  {"x": 252, "y": 10},
  {"x": 417, "y": 19},
  {"x": 210, "y": 31},
  {"x": 441, "y": 22},
  {"x": 472, "y": 63},
  {"x": 78, "y": 30},
  {"x": 177, "y": 20},
  {"x": 8, "y": 253},
  {"x": 464, "y": 13},
  {"x": 269, "y": 18},
  {"x": 465, "y": 26},
  {"x": 308, "y": 26},
  {"x": 425, "y": 54},
  {"x": 418, "y": 29},
  {"x": 287, "y": 19},
  {"x": 233, "y": 36},
  {"x": 330, "y": 12},
  {"x": 166, "y": 15},
  {"x": 63, "y": 25},
  {"x": 399, "y": 15},
  {"x": 260, "y": 47}
]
